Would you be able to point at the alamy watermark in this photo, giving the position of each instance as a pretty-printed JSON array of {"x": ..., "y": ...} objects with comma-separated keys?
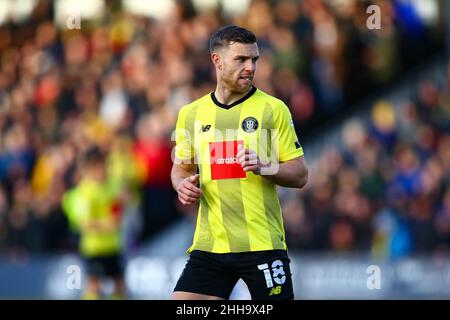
[
  {"x": 193, "y": 145},
  {"x": 73, "y": 281},
  {"x": 73, "y": 21},
  {"x": 374, "y": 279},
  {"x": 373, "y": 22}
]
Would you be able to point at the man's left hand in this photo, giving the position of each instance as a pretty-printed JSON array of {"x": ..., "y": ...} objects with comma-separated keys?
[{"x": 249, "y": 160}]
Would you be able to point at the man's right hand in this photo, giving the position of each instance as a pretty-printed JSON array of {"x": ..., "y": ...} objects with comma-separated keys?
[{"x": 188, "y": 192}]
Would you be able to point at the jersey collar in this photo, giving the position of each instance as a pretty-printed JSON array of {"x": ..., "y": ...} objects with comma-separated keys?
[{"x": 228, "y": 106}]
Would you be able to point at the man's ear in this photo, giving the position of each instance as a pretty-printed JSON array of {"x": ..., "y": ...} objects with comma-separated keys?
[{"x": 216, "y": 60}]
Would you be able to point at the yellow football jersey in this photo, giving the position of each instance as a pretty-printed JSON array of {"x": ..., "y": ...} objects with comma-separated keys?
[{"x": 238, "y": 211}]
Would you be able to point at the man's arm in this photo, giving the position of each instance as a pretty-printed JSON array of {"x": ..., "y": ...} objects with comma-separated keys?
[
  {"x": 291, "y": 174},
  {"x": 185, "y": 181}
]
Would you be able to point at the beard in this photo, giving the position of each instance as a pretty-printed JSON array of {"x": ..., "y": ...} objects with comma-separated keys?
[{"x": 236, "y": 83}]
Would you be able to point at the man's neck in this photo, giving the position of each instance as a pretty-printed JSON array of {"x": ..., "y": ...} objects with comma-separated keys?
[{"x": 226, "y": 96}]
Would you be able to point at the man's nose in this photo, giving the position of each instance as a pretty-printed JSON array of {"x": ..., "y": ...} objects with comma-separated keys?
[{"x": 250, "y": 66}]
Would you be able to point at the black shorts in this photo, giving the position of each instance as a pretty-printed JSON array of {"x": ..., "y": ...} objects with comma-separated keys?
[
  {"x": 266, "y": 274},
  {"x": 107, "y": 266}
]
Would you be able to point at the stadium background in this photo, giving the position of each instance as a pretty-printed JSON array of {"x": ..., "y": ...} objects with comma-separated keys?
[{"x": 371, "y": 107}]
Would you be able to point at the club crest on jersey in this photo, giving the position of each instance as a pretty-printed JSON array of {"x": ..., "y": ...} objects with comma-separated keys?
[{"x": 249, "y": 124}]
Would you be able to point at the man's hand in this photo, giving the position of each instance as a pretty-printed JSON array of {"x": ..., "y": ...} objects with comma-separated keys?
[
  {"x": 249, "y": 160},
  {"x": 292, "y": 173},
  {"x": 188, "y": 192}
]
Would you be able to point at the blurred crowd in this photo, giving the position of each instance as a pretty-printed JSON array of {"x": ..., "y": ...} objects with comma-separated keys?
[
  {"x": 118, "y": 84},
  {"x": 386, "y": 189}
]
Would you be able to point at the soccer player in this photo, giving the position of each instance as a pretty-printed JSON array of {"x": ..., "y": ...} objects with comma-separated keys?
[
  {"x": 93, "y": 209},
  {"x": 233, "y": 146}
]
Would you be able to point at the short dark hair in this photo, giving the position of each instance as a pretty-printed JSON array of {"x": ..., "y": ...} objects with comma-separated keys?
[
  {"x": 94, "y": 155},
  {"x": 228, "y": 34}
]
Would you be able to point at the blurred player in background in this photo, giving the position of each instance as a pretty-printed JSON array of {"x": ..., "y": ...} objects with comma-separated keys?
[
  {"x": 94, "y": 211},
  {"x": 240, "y": 232}
]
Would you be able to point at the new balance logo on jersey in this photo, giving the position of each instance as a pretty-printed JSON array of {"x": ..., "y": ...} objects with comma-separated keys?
[{"x": 205, "y": 128}]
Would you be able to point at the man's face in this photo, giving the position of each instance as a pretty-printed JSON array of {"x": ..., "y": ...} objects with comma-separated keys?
[
  {"x": 236, "y": 65},
  {"x": 96, "y": 171}
]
